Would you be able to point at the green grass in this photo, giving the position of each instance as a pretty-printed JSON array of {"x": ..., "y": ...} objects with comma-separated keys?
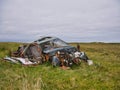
[
  {"x": 6, "y": 48},
  {"x": 103, "y": 75}
]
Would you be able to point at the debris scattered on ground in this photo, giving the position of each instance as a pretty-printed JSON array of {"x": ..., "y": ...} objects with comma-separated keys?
[
  {"x": 51, "y": 49},
  {"x": 10, "y": 59},
  {"x": 90, "y": 62}
]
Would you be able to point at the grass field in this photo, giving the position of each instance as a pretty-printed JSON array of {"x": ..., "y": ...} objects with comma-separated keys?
[{"x": 104, "y": 74}]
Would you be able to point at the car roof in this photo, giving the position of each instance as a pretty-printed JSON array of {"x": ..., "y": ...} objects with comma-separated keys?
[{"x": 44, "y": 39}]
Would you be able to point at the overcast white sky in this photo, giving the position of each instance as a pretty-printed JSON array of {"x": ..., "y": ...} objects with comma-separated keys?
[{"x": 70, "y": 20}]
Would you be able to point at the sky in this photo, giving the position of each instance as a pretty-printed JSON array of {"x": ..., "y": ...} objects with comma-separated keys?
[{"x": 70, "y": 20}]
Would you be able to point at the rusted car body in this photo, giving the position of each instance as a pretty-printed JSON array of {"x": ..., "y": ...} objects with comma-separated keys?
[
  {"x": 51, "y": 45},
  {"x": 44, "y": 49}
]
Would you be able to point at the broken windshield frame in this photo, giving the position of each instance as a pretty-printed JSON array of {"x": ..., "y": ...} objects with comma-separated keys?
[{"x": 55, "y": 43}]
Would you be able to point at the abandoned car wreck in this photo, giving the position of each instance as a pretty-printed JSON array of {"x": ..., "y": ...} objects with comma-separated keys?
[{"x": 48, "y": 49}]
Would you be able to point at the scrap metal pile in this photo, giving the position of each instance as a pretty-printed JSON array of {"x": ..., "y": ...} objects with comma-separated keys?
[{"x": 48, "y": 49}]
